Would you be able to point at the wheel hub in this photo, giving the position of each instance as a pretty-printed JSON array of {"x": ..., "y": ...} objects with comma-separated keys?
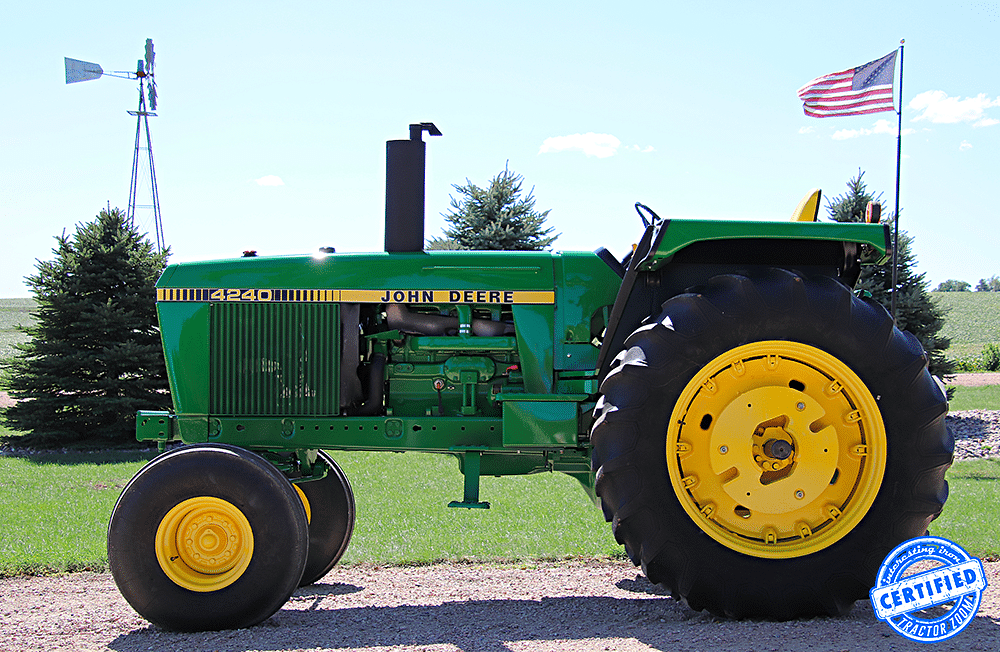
[
  {"x": 204, "y": 544},
  {"x": 208, "y": 542},
  {"x": 776, "y": 449},
  {"x": 763, "y": 471}
]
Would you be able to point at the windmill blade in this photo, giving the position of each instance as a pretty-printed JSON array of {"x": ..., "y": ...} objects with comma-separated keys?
[
  {"x": 79, "y": 71},
  {"x": 151, "y": 79}
]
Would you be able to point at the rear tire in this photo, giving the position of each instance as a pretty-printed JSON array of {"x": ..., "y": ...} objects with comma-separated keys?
[
  {"x": 207, "y": 537},
  {"x": 331, "y": 504},
  {"x": 729, "y": 367}
]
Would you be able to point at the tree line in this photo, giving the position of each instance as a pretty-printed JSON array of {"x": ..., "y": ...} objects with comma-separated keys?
[{"x": 991, "y": 284}]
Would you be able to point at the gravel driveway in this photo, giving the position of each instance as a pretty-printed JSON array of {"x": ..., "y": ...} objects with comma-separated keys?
[{"x": 560, "y": 606}]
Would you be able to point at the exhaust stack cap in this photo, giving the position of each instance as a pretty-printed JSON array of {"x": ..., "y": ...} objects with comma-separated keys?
[{"x": 416, "y": 130}]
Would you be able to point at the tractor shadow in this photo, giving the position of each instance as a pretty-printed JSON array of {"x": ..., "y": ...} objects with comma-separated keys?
[{"x": 317, "y": 618}]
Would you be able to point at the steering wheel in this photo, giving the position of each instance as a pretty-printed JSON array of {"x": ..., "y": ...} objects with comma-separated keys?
[{"x": 653, "y": 220}]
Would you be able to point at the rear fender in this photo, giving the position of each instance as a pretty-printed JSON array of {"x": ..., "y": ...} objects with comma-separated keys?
[{"x": 674, "y": 255}]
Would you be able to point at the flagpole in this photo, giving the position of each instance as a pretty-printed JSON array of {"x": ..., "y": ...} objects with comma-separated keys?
[{"x": 899, "y": 149}]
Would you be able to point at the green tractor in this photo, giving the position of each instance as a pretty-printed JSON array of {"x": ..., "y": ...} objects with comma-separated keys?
[{"x": 758, "y": 435}]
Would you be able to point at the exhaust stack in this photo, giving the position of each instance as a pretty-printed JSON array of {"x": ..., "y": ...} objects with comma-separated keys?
[{"x": 404, "y": 189}]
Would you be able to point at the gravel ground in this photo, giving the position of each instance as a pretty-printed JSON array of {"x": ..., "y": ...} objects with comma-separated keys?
[
  {"x": 976, "y": 379},
  {"x": 579, "y": 605},
  {"x": 977, "y": 432}
]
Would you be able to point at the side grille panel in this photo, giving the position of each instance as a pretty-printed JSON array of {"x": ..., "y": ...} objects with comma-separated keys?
[{"x": 275, "y": 359}]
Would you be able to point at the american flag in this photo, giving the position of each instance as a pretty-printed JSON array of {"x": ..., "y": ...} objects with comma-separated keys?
[{"x": 856, "y": 91}]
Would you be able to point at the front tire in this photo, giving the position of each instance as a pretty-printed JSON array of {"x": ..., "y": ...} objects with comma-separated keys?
[
  {"x": 207, "y": 537},
  {"x": 764, "y": 443},
  {"x": 331, "y": 506}
]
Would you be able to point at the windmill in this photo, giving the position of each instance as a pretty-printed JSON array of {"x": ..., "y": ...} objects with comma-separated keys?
[{"x": 79, "y": 71}]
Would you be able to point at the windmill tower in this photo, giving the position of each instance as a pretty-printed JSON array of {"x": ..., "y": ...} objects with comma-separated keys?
[{"x": 78, "y": 71}]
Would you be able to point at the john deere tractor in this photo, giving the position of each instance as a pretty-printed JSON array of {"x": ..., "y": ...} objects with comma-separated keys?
[{"x": 758, "y": 434}]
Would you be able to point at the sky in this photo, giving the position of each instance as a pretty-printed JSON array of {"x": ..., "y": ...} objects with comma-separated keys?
[{"x": 272, "y": 118}]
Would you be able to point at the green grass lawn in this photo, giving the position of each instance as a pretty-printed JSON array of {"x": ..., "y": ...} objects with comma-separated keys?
[
  {"x": 972, "y": 320},
  {"x": 548, "y": 515},
  {"x": 971, "y": 517},
  {"x": 56, "y": 508},
  {"x": 986, "y": 397},
  {"x": 56, "y": 511}
]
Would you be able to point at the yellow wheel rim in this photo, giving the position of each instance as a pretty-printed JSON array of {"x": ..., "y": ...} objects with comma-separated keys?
[
  {"x": 776, "y": 449},
  {"x": 305, "y": 502},
  {"x": 204, "y": 544}
]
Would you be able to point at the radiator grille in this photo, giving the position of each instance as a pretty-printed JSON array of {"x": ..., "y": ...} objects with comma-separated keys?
[{"x": 275, "y": 359}]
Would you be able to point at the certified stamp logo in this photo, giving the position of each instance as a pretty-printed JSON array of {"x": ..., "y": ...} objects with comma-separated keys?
[{"x": 928, "y": 589}]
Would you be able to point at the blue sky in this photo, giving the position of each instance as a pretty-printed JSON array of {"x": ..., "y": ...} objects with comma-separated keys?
[{"x": 273, "y": 117}]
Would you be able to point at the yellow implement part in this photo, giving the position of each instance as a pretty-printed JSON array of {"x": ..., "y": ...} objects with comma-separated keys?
[{"x": 808, "y": 208}]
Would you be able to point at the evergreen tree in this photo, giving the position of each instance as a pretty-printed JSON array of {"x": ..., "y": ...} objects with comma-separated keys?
[
  {"x": 94, "y": 355},
  {"x": 851, "y": 206},
  {"x": 439, "y": 244},
  {"x": 915, "y": 311},
  {"x": 496, "y": 217}
]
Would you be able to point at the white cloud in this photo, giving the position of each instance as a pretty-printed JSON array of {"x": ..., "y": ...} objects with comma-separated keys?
[
  {"x": 591, "y": 144},
  {"x": 882, "y": 126},
  {"x": 806, "y": 130},
  {"x": 965, "y": 145},
  {"x": 269, "y": 180},
  {"x": 937, "y": 107},
  {"x": 844, "y": 134}
]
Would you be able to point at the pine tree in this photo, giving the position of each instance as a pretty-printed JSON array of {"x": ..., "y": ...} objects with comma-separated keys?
[
  {"x": 496, "y": 217},
  {"x": 94, "y": 355},
  {"x": 916, "y": 312},
  {"x": 440, "y": 244}
]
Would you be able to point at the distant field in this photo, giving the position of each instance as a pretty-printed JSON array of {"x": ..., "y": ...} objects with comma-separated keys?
[
  {"x": 972, "y": 320},
  {"x": 13, "y": 313}
]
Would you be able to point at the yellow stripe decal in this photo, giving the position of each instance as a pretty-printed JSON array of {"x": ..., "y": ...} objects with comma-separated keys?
[{"x": 388, "y": 295}]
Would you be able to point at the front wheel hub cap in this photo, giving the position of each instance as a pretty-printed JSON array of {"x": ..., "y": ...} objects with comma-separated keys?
[{"x": 204, "y": 544}]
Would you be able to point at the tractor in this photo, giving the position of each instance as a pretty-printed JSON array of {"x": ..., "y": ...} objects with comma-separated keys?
[{"x": 759, "y": 434}]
